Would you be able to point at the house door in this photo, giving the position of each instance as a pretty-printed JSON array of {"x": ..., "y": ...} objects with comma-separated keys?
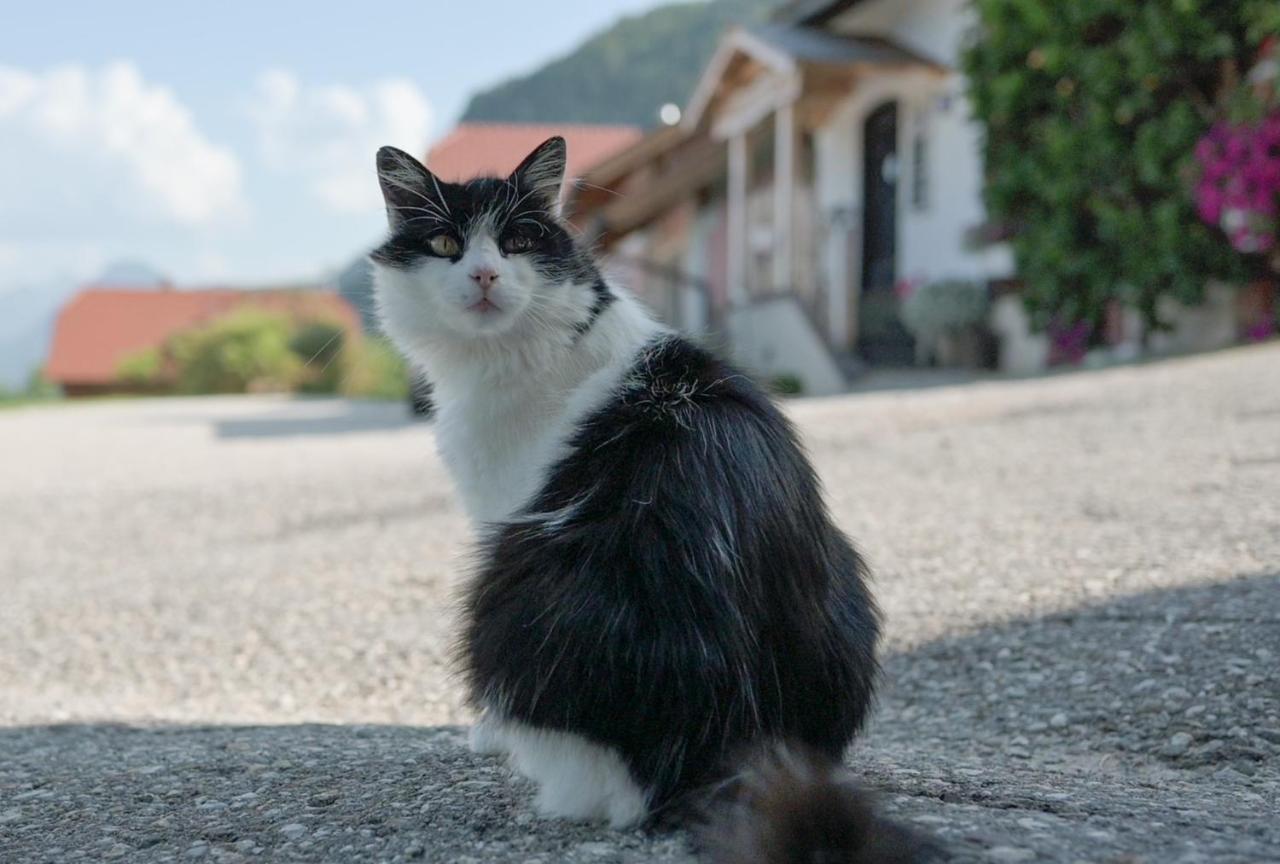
[{"x": 882, "y": 339}]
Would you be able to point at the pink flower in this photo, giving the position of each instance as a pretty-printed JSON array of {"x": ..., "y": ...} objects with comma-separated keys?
[
  {"x": 1261, "y": 331},
  {"x": 1209, "y": 201},
  {"x": 1239, "y": 186},
  {"x": 1235, "y": 147}
]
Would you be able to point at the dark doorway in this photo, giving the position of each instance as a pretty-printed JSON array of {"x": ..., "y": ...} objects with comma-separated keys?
[{"x": 882, "y": 340}]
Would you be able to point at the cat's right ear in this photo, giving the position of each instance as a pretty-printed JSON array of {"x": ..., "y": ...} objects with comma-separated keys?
[{"x": 408, "y": 188}]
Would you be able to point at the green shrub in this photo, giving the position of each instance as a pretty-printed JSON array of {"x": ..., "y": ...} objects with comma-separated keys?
[
  {"x": 248, "y": 350},
  {"x": 936, "y": 308},
  {"x": 1262, "y": 18},
  {"x": 375, "y": 370},
  {"x": 786, "y": 385},
  {"x": 252, "y": 350},
  {"x": 1092, "y": 109},
  {"x": 142, "y": 369},
  {"x": 320, "y": 347},
  {"x": 37, "y": 389}
]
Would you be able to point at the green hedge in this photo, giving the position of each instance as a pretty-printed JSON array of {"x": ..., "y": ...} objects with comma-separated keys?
[
  {"x": 248, "y": 350},
  {"x": 1092, "y": 110},
  {"x": 253, "y": 350}
]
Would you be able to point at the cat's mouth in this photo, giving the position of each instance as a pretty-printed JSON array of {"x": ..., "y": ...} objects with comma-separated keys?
[{"x": 484, "y": 306}]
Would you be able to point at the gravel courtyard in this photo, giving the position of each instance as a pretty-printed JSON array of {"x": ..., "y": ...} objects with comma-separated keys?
[{"x": 225, "y": 626}]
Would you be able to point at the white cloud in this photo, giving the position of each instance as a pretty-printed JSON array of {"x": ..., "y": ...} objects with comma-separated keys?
[
  {"x": 81, "y": 146},
  {"x": 326, "y": 135}
]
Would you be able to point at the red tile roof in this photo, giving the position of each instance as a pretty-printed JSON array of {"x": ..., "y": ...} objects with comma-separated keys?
[
  {"x": 475, "y": 149},
  {"x": 98, "y": 328}
]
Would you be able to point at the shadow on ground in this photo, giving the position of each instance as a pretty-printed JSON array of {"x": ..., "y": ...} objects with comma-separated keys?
[
  {"x": 1141, "y": 729},
  {"x": 271, "y": 417},
  {"x": 330, "y": 417}
]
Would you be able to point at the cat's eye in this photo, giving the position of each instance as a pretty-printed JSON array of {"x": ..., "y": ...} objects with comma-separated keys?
[
  {"x": 514, "y": 244},
  {"x": 444, "y": 246}
]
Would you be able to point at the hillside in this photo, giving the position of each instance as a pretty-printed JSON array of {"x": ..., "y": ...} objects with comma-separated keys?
[{"x": 623, "y": 74}]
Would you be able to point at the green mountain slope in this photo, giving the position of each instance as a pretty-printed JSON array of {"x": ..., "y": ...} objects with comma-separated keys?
[{"x": 623, "y": 74}]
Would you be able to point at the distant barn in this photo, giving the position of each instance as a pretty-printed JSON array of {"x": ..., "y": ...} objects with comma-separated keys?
[
  {"x": 475, "y": 149},
  {"x": 99, "y": 328}
]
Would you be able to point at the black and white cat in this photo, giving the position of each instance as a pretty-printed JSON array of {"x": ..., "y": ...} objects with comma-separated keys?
[{"x": 661, "y": 596}]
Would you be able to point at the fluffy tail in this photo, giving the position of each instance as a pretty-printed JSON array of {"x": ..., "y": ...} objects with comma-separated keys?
[{"x": 793, "y": 807}]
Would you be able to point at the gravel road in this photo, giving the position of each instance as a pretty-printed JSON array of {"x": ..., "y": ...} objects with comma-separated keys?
[{"x": 224, "y": 626}]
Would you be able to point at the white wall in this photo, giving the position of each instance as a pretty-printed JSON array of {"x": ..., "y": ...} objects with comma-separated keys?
[
  {"x": 774, "y": 337},
  {"x": 694, "y": 299},
  {"x": 931, "y": 240},
  {"x": 933, "y": 28}
]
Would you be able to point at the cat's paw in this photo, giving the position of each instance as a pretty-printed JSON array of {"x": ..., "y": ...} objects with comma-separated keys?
[
  {"x": 621, "y": 808},
  {"x": 486, "y": 738}
]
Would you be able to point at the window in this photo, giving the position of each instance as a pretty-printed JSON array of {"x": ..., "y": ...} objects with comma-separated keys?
[{"x": 920, "y": 162}]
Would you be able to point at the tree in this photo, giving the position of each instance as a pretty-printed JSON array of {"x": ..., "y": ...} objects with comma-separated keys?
[
  {"x": 624, "y": 73},
  {"x": 1092, "y": 111}
]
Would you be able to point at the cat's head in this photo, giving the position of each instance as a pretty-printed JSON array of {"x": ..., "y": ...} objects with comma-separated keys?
[{"x": 485, "y": 259}]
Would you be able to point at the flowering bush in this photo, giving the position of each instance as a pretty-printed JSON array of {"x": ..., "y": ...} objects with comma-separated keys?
[
  {"x": 1238, "y": 189},
  {"x": 1092, "y": 109},
  {"x": 1068, "y": 342}
]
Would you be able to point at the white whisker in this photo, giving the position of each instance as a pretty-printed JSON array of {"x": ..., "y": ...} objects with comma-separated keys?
[{"x": 337, "y": 334}]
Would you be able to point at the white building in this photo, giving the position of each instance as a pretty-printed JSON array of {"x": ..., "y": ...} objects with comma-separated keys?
[{"x": 825, "y": 163}]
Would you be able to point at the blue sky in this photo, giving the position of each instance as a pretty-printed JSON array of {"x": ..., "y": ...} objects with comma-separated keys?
[{"x": 233, "y": 141}]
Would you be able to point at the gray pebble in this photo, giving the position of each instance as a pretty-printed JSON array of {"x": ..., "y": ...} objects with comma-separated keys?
[{"x": 293, "y": 830}]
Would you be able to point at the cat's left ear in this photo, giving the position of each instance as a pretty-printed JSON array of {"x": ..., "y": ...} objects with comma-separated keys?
[{"x": 542, "y": 172}]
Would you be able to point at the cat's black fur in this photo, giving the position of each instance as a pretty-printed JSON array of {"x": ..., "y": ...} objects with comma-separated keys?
[
  {"x": 789, "y": 806},
  {"x": 677, "y": 589}
]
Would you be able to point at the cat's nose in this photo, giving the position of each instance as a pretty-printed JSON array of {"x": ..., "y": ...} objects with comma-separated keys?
[{"x": 484, "y": 277}]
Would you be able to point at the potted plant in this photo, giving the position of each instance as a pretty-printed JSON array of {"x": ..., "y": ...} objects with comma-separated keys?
[{"x": 947, "y": 319}]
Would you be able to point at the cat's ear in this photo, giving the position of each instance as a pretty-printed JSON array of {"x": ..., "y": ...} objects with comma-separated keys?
[
  {"x": 408, "y": 188},
  {"x": 542, "y": 172}
]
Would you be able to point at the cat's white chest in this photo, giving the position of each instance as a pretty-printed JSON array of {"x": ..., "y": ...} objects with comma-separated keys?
[
  {"x": 501, "y": 434},
  {"x": 499, "y": 451}
]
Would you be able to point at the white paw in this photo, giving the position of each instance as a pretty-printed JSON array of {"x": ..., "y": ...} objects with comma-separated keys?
[
  {"x": 577, "y": 779},
  {"x": 620, "y": 808},
  {"x": 627, "y": 810},
  {"x": 486, "y": 737}
]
